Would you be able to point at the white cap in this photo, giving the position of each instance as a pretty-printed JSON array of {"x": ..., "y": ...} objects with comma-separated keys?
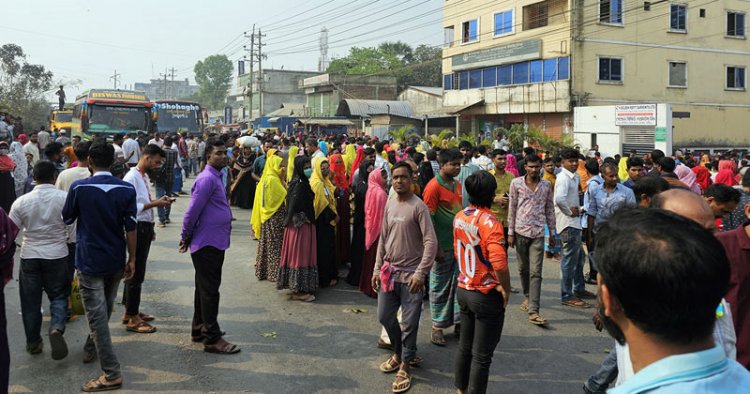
[{"x": 62, "y": 131}]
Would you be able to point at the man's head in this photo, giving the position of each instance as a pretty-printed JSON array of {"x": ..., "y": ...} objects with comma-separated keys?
[
  {"x": 54, "y": 151},
  {"x": 82, "y": 152},
  {"x": 592, "y": 166},
  {"x": 481, "y": 187},
  {"x": 310, "y": 146},
  {"x": 466, "y": 150},
  {"x": 687, "y": 204},
  {"x": 528, "y": 151},
  {"x": 76, "y": 140},
  {"x": 666, "y": 165},
  {"x": 369, "y": 154},
  {"x": 101, "y": 156},
  {"x": 44, "y": 172},
  {"x": 661, "y": 277},
  {"x": 722, "y": 199},
  {"x": 635, "y": 167},
  {"x": 216, "y": 154},
  {"x": 401, "y": 178},
  {"x": 609, "y": 174},
  {"x": 656, "y": 155},
  {"x": 499, "y": 159},
  {"x": 157, "y": 136},
  {"x": 569, "y": 159},
  {"x": 549, "y": 166},
  {"x": 647, "y": 187},
  {"x": 117, "y": 139},
  {"x": 533, "y": 167},
  {"x": 152, "y": 157},
  {"x": 450, "y": 162},
  {"x": 34, "y": 137}
]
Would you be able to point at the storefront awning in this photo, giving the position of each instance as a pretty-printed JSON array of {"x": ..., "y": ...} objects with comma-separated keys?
[{"x": 457, "y": 109}]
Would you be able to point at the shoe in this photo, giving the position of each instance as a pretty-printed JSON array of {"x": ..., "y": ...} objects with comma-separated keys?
[
  {"x": 585, "y": 294},
  {"x": 59, "y": 347},
  {"x": 161, "y": 225},
  {"x": 35, "y": 348}
]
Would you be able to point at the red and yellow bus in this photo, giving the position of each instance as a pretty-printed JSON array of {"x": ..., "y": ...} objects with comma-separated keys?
[{"x": 104, "y": 113}]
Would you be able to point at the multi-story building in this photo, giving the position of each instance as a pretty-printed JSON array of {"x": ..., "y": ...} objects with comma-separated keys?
[
  {"x": 532, "y": 61},
  {"x": 164, "y": 89},
  {"x": 278, "y": 87},
  {"x": 325, "y": 91}
]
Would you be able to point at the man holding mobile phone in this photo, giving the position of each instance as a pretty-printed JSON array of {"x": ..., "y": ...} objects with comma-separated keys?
[{"x": 503, "y": 179}]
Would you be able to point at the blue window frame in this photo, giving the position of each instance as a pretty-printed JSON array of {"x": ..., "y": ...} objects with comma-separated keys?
[
  {"x": 470, "y": 31},
  {"x": 475, "y": 79},
  {"x": 489, "y": 77},
  {"x": 448, "y": 81},
  {"x": 563, "y": 68},
  {"x": 550, "y": 70},
  {"x": 505, "y": 75},
  {"x": 521, "y": 73},
  {"x": 504, "y": 22},
  {"x": 463, "y": 80},
  {"x": 535, "y": 71}
]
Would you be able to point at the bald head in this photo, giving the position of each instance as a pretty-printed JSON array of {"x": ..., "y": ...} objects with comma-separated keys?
[{"x": 686, "y": 204}]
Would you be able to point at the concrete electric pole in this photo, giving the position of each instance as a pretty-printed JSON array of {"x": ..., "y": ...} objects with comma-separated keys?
[
  {"x": 252, "y": 62},
  {"x": 115, "y": 79}
]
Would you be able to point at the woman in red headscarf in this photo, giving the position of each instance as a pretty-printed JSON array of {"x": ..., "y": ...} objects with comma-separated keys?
[
  {"x": 726, "y": 173},
  {"x": 355, "y": 165},
  {"x": 375, "y": 200},
  {"x": 338, "y": 170}
]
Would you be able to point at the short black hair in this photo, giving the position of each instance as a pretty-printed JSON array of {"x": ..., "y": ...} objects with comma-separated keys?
[
  {"x": 549, "y": 160},
  {"x": 449, "y": 155},
  {"x": 481, "y": 187},
  {"x": 212, "y": 144},
  {"x": 44, "y": 172},
  {"x": 651, "y": 186},
  {"x": 153, "y": 149},
  {"x": 667, "y": 164},
  {"x": 610, "y": 166},
  {"x": 117, "y": 137},
  {"x": 369, "y": 151},
  {"x": 610, "y": 160},
  {"x": 532, "y": 159},
  {"x": 667, "y": 272},
  {"x": 592, "y": 166},
  {"x": 482, "y": 149},
  {"x": 498, "y": 152},
  {"x": 634, "y": 162},
  {"x": 379, "y": 146},
  {"x": 529, "y": 151},
  {"x": 311, "y": 142},
  {"x": 465, "y": 145},
  {"x": 723, "y": 193},
  {"x": 431, "y": 154},
  {"x": 52, "y": 149},
  {"x": 746, "y": 179},
  {"x": 82, "y": 150},
  {"x": 402, "y": 164},
  {"x": 569, "y": 153},
  {"x": 101, "y": 154},
  {"x": 168, "y": 141},
  {"x": 656, "y": 154}
]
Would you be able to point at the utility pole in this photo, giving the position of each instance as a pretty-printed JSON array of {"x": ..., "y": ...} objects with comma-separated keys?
[
  {"x": 115, "y": 78},
  {"x": 252, "y": 61},
  {"x": 260, "y": 71},
  {"x": 164, "y": 90},
  {"x": 172, "y": 70}
]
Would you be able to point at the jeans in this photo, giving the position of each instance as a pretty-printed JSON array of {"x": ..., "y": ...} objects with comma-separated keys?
[
  {"x": 605, "y": 375},
  {"x": 161, "y": 190},
  {"x": 482, "y": 318},
  {"x": 208, "y": 262},
  {"x": 193, "y": 166},
  {"x": 145, "y": 231},
  {"x": 71, "y": 266},
  {"x": 185, "y": 165},
  {"x": 571, "y": 263},
  {"x": 177, "y": 187},
  {"x": 530, "y": 252},
  {"x": 403, "y": 336},
  {"x": 50, "y": 276},
  {"x": 98, "y": 293}
]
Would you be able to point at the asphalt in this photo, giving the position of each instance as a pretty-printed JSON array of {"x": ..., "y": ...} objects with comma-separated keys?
[{"x": 327, "y": 346}]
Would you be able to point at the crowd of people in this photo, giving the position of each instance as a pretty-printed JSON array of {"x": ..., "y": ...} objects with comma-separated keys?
[{"x": 665, "y": 239}]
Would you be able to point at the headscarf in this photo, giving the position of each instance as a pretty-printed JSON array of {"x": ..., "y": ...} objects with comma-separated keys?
[
  {"x": 686, "y": 176},
  {"x": 8, "y": 233},
  {"x": 243, "y": 161},
  {"x": 622, "y": 169},
  {"x": 510, "y": 165},
  {"x": 6, "y": 162},
  {"x": 22, "y": 166},
  {"x": 339, "y": 172},
  {"x": 322, "y": 187},
  {"x": 300, "y": 197},
  {"x": 375, "y": 200},
  {"x": 705, "y": 159},
  {"x": 725, "y": 176},
  {"x": 23, "y": 139},
  {"x": 357, "y": 161},
  {"x": 728, "y": 164},
  {"x": 350, "y": 154},
  {"x": 702, "y": 177},
  {"x": 270, "y": 193},
  {"x": 583, "y": 174},
  {"x": 323, "y": 147},
  {"x": 290, "y": 165}
]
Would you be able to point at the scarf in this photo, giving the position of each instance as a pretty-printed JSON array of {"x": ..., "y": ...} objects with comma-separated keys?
[
  {"x": 339, "y": 172},
  {"x": 725, "y": 176},
  {"x": 322, "y": 187},
  {"x": 6, "y": 163},
  {"x": 705, "y": 159},
  {"x": 355, "y": 165},
  {"x": 510, "y": 165},
  {"x": 323, "y": 148},
  {"x": 622, "y": 169},
  {"x": 243, "y": 161},
  {"x": 8, "y": 233},
  {"x": 350, "y": 154},
  {"x": 290, "y": 165},
  {"x": 375, "y": 200},
  {"x": 23, "y": 139},
  {"x": 686, "y": 176},
  {"x": 300, "y": 197},
  {"x": 269, "y": 194},
  {"x": 702, "y": 177},
  {"x": 22, "y": 166}
]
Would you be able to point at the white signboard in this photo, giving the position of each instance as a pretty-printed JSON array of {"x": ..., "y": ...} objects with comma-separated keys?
[{"x": 635, "y": 115}]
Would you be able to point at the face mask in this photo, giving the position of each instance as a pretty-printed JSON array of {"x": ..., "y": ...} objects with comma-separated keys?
[
  {"x": 308, "y": 172},
  {"x": 325, "y": 173},
  {"x": 4, "y": 151}
]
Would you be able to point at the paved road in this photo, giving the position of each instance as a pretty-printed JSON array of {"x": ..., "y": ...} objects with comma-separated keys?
[{"x": 318, "y": 347}]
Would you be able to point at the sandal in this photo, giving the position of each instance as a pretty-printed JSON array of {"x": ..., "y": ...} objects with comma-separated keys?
[
  {"x": 525, "y": 305},
  {"x": 390, "y": 365},
  {"x": 303, "y": 297},
  {"x": 143, "y": 316},
  {"x": 141, "y": 328},
  {"x": 437, "y": 337},
  {"x": 384, "y": 345},
  {"x": 404, "y": 385},
  {"x": 576, "y": 303},
  {"x": 224, "y": 348},
  {"x": 416, "y": 362},
  {"x": 535, "y": 319},
  {"x": 201, "y": 338},
  {"x": 100, "y": 384}
]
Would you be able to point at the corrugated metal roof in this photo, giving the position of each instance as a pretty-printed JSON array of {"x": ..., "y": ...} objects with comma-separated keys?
[
  {"x": 289, "y": 109},
  {"x": 365, "y": 108},
  {"x": 326, "y": 121}
]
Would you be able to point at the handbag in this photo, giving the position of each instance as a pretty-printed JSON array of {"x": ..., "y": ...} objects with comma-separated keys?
[{"x": 76, "y": 301}]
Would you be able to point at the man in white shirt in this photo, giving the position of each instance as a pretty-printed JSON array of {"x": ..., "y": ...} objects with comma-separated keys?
[
  {"x": 157, "y": 140},
  {"x": 44, "y": 255},
  {"x": 568, "y": 225},
  {"x": 119, "y": 152},
  {"x": 151, "y": 159},
  {"x": 32, "y": 148},
  {"x": 44, "y": 138},
  {"x": 132, "y": 150}
]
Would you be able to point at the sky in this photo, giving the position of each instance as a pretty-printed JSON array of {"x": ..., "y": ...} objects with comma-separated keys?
[{"x": 84, "y": 42}]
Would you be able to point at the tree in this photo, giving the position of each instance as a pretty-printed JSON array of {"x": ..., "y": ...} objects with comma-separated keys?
[
  {"x": 427, "y": 67},
  {"x": 22, "y": 86},
  {"x": 214, "y": 76}
]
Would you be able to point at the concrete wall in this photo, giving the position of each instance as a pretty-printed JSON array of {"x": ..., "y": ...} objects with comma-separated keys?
[
  {"x": 532, "y": 98},
  {"x": 421, "y": 102},
  {"x": 279, "y": 86}
]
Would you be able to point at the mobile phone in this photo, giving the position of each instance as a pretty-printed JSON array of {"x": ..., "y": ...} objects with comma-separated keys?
[{"x": 172, "y": 199}]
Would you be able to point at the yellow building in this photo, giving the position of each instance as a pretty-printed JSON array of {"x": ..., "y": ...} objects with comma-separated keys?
[{"x": 531, "y": 62}]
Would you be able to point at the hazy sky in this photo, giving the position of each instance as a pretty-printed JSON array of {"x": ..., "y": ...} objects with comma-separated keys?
[{"x": 83, "y": 42}]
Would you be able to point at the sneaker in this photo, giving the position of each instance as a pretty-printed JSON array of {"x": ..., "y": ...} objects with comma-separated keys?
[{"x": 59, "y": 347}]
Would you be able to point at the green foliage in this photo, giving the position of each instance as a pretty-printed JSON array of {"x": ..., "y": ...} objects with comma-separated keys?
[
  {"x": 214, "y": 76},
  {"x": 22, "y": 86},
  {"x": 441, "y": 140},
  {"x": 516, "y": 136}
]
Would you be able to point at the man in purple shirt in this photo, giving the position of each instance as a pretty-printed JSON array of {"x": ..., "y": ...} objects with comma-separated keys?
[{"x": 206, "y": 227}]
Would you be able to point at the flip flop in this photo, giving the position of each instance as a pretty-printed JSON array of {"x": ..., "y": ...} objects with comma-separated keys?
[
  {"x": 227, "y": 348},
  {"x": 141, "y": 328},
  {"x": 416, "y": 362},
  {"x": 100, "y": 384},
  {"x": 535, "y": 319},
  {"x": 525, "y": 306},
  {"x": 404, "y": 385},
  {"x": 146, "y": 317},
  {"x": 437, "y": 338},
  {"x": 575, "y": 303}
]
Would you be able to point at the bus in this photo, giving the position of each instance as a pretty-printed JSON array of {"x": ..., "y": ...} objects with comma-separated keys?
[
  {"x": 178, "y": 116},
  {"x": 59, "y": 120},
  {"x": 106, "y": 112}
]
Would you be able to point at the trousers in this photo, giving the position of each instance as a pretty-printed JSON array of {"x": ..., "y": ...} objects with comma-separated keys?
[
  {"x": 35, "y": 277},
  {"x": 208, "y": 262},
  {"x": 98, "y": 293},
  {"x": 530, "y": 252},
  {"x": 403, "y": 336},
  {"x": 145, "y": 231}
]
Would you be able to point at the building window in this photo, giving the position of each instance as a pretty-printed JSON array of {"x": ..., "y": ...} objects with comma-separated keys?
[
  {"x": 735, "y": 24},
  {"x": 678, "y": 17},
  {"x": 505, "y": 75},
  {"x": 678, "y": 74},
  {"x": 475, "y": 79},
  {"x": 610, "y": 11},
  {"x": 448, "y": 81},
  {"x": 550, "y": 70},
  {"x": 521, "y": 73},
  {"x": 470, "y": 31},
  {"x": 562, "y": 68},
  {"x": 610, "y": 69},
  {"x": 535, "y": 15},
  {"x": 463, "y": 80},
  {"x": 735, "y": 78},
  {"x": 504, "y": 23},
  {"x": 489, "y": 77},
  {"x": 449, "y": 35},
  {"x": 536, "y": 73}
]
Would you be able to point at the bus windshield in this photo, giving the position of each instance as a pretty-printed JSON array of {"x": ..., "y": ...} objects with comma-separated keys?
[
  {"x": 107, "y": 118},
  {"x": 176, "y": 117},
  {"x": 63, "y": 117}
]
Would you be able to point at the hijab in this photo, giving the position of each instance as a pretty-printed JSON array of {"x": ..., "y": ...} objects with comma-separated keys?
[
  {"x": 725, "y": 176},
  {"x": 375, "y": 200},
  {"x": 244, "y": 161},
  {"x": 23, "y": 139},
  {"x": 299, "y": 198},
  {"x": 6, "y": 161},
  {"x": 622, "y": 169},
  {"x": 322, "y": 187},
  {"x": 22, "y": 166},
  {"x": 510, "y": 165},
  {"x": 702, "y": 177},
  {"x": 290, "y": 165},
  {"x": 323, "y": 147},
  {"x": 339, "y": 172},
  {"x": 356, "y": 164},
  {"x": 270, "y": 193},
  {"x": 686, "y": 176},
  {"x": 350, "y": 154}
]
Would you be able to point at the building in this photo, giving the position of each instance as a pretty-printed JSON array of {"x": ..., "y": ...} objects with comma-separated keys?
[
  {"x": 423, "y": 99},
  {"x": 165, "y": 89},
  {"x": 532, "y": 62},
  {"x": 325, "y": 92},
  {"x": 279, "y": 87}
]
